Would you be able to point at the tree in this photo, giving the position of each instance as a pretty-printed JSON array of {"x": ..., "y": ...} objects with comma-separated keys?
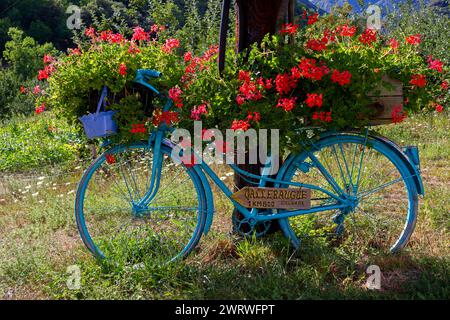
[{"x": 24, "y": 55}]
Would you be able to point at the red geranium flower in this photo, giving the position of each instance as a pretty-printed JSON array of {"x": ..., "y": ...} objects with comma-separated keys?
[
  {"x": 197, "y": 112},
  {"x": 394, "y": 44},
  {"x": 37, "y": 90},
  {"x": 110, "y": 159},
  {"x": 313, "y": 18},
  {"x": 323, "y": 116},
  {"x": 288, "y": 104},
  {"x": 414, "y": 39},
  {"x": 188, "y": 56},
  {"x": 244, "y": 76},
  {"x": 368, "y": 37},
  {"x": 74, "y": 52},
  {"x": 310, "y": 70},
  {"x": 284, "y": 83},
  {"x": 123, "y": 69},
  {"x": 140, "y": 35},
  {"x": 444, "y": 85},
  {"x": 48, "y": 59},
  {"x": 346, "y": 31},
  {"x": 289, "y": 28},
  {"x": 240, "y": 125},
  {"x": 90, "y": 32},
  {"x": 175, "y": 94},
  {"x": 317, "y": 45},
  {"x": 342, "y": 78},
  {"x": 435, "y": 64},
  {"x": 170, "y": 45},
  {"x": 40, "y": 109},
  {"x": 23, "y": 89},
  {"x": 418, "y": 80},
  {"x": 133, "y": 49},
  {"x": 240, "y": 100},
  {"x": 43, "y": 74},
  {"x": 314, "y": 100},
  {"x": 137, "y": 128},
  {"x": 439, "y": 108},
  {"x": 397, "y": 114}
]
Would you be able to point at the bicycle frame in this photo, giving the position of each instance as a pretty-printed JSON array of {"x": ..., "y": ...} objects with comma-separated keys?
[{"x": 157, "y": 139}]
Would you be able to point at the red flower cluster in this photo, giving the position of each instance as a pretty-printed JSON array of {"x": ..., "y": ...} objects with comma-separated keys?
[
  {"x": 368, "y": 37},
  {"x": 284, "y": 83},
  {"x": 414, "y": 39},
  {"x": 40, "y": 109},
  {"x": 255, "y": 116},
  {"x": 240, "y": 125},
  {"x": 138, "y": 128},
  {"x": 175, "y": 94},
  {"x": 310, "y": 70},
  {"x": 251, "y": 90},
  {"x": 23, "y": 90},
  {"x": 289, "y": 28},
  {"x": 198, "y": 62},
  {"x": 37, "y": 90},
  {"x": 342, "y": 78},
  {"x": 110, "y": 159},
  {"x": 439, "y": 108},
  {"x": 346, "y": 31},
  {"x": 48, "y": 59},
  {"x": 444, "y": 85},
  {"x": 167, "y": 117},
  {"x": 323, "y": 116},
  {"x": 123, "y": 69},
  {"x": 394, "y": 43},
  {"x": 198, "y": 111},
  {"x": 435, "y": 64},
  {"x": 288, "y": 104},
  {"x": 74, "y": 52},
  {"x": 418, "y": 80},
  {"x": 140, "y": 35},
  {"x": 106, "y": 35},
  {"x": 314, "y": 100},
  {"x": 313, "y": 18},
  {"x": 317, "y": 45},
  {"x": 397, "y": 114},
  {"x": 170, "y": 45}
]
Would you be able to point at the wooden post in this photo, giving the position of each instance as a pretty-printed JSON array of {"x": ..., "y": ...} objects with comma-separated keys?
[{"x": 255, "y": 19}]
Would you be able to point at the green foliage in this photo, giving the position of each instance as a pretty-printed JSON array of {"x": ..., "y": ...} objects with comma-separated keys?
[
  {"x": 29, "y": 143},
  {"x": 44, "y": 20},
  {"x": 24, "y": 55},
  {"x": 429, "y": 21},
  {"x": 11, "y": 100}
]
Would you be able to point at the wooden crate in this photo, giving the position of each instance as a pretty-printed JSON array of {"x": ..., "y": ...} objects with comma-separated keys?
[{"x": 385, "y": 101}]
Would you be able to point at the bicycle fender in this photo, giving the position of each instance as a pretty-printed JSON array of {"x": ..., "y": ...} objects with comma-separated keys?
[{"x": 412, "y": 167}]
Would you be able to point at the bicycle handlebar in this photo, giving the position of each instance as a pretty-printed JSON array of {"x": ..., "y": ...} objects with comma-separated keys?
[{"x": 143, "y": 75}]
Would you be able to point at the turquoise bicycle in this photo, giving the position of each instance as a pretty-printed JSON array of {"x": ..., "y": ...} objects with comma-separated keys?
[{"x": 137, "y": 200}]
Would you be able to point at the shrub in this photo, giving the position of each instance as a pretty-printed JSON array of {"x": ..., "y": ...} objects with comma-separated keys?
[
  {"x": 320, "y": 76},
  {"x": 31, "y": 143}
]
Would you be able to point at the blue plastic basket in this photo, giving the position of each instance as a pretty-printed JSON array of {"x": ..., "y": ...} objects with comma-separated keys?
[{"x": 100, "y": 124}]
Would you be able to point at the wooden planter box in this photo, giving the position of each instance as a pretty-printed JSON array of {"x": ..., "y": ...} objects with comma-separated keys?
[{"x": 384, "y": 101}]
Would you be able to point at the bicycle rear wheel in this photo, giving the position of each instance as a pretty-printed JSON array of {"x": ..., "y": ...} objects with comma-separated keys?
[
  {"x": 373, "y": 177},
  {"x": 115, "y": 224}
]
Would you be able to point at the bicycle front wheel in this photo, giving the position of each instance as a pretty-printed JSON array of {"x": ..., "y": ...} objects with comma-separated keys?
[
  {"x": 373, "y": 178},
  {"x": 115, "y": 223}
]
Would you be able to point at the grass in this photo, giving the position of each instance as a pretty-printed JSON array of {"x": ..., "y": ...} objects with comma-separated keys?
[{"x": 39, "y": 241}]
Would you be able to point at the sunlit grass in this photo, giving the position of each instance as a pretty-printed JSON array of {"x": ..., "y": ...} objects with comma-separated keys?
[{"x": 39, "y": 240}]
